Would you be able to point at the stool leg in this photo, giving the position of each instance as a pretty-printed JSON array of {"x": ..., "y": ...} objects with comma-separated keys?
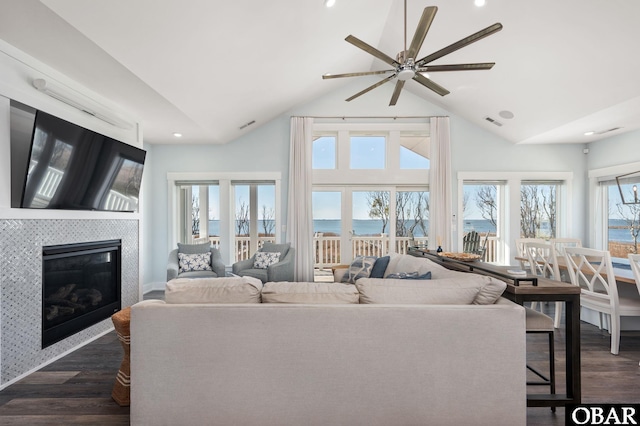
[{"x": 552, "y": 367}]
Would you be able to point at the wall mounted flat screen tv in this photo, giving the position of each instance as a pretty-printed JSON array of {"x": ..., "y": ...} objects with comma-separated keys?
[{"x": 72, "y": 168}]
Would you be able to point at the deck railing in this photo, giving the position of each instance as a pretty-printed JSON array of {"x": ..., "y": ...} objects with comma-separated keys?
[{"x": 327, "y": 248}]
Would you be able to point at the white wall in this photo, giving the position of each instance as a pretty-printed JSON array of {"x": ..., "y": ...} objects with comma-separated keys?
[
  {"x": 266, "y": 148},
  {"x": 614, "y": 151}
]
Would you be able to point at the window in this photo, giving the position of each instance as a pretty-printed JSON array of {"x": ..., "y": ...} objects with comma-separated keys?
[
  {"x": 482, "y": 212},
  {"x": 623, "y": 221},
  {"x": 237, "y": 212},
  {"x": 376, "y": 199},
  {"x": 368, "y": 152},
  {"x": 324, "y": 152},
  {"x": 199, "y": 205},
  {"x": 414, "y": 150},
  {"x": 538, "y": 218}
]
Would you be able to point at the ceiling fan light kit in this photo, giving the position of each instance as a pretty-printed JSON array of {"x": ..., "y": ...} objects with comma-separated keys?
[{"x": 406, "y": 67}]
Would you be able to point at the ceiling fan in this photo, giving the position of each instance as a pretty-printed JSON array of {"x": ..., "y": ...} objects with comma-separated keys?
[{"x": 406, "y": 67}]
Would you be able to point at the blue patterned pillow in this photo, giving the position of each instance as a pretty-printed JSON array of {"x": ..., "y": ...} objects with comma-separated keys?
[
  {"x": 265, "y": 259},
  {"x": 360, "y": 268},
  {"x": 194, "y": 262},
  {"x": 410, "y": 276}
]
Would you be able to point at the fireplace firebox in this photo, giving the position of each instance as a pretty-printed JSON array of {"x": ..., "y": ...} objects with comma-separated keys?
[{"x": 81, "y": 287}]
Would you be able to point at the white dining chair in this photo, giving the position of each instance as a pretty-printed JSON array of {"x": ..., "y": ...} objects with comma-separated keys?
[
  {"x": 634, "y": 262},
  {"x": 559, "y": 244},
  {"x": 592, "y": 271},
  {"x": 543, "y": 262},
  {"x": 520, "y": 242}
]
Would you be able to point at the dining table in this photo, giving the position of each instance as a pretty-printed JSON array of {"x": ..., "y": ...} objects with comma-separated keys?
[{"x": 529, "y": 288}]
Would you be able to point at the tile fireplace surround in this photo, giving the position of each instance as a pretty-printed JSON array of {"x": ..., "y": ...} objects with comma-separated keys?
[{"x": 21, "y": 242}]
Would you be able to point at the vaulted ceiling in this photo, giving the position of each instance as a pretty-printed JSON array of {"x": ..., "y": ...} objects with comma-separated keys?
[{"x": 205, "y": 68}]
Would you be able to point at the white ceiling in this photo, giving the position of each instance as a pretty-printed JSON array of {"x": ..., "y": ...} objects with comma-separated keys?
[{"x": 204, "y": 68}]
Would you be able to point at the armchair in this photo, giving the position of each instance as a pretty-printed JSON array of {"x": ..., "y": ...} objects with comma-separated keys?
[
  {"x": 280, "y": 271},
  {"x": 216, "y": 263}
]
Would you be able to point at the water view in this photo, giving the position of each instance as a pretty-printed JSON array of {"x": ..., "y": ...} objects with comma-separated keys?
[{"x": 618, "y": 230}]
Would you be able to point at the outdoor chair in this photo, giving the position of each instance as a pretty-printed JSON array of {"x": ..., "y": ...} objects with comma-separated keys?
[{"x": 471, "y": 243}]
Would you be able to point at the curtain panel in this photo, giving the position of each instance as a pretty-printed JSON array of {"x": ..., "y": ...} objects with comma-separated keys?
[
  {"x": 440, "y": 185},
  {"x": 299, "y": 211}
]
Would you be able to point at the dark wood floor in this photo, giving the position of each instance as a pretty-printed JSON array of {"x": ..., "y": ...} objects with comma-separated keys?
[{"x": 76, "y": 390}]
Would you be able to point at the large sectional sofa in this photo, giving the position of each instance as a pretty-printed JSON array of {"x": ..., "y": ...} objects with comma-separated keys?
[{"x": 232, "y": 351}]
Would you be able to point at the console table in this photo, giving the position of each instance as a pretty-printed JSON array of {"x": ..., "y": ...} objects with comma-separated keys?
[{"x": 545, "y": 290}]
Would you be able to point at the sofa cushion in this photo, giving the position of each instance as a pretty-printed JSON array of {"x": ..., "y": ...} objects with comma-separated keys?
[
  {"x": 213, "y": 290},
  {"x": 194, "y": 248},
  {"x": 194, "y": 262},
  {"x": 463, "y": 290},
  {"x": 359, "y": 268},
  {"x": 311, "y": 293},
  {"x": 263, "y": 260}
]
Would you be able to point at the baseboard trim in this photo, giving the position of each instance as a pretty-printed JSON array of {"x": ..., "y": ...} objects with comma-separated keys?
[{"x": 153, "y": 286}]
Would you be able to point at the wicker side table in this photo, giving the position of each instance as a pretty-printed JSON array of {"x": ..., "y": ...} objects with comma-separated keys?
[{"x": 122, "y": 387}]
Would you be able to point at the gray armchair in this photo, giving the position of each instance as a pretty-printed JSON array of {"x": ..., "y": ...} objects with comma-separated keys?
[
  {"x": 217, "y": 265},
  {"x": 281, "y": 271}
]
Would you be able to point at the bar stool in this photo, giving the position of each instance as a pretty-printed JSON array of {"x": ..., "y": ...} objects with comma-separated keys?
[{"x": 536, "y": 323}]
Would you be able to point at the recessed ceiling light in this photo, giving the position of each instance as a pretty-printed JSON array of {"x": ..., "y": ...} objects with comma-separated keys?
[
  {"x": 589, "y": 133},
  {"x": 177, "y": 135},
  {"x": 479, "y": 3},
  {"x": 329, "y": 3},
  {"x": 506, "y": 114}
]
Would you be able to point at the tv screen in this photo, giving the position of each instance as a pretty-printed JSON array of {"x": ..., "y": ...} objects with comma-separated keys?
[{"x": 72, "y": 168}]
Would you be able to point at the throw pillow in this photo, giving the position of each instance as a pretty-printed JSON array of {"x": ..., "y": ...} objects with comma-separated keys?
[
  {"x": 410, "y": 276},
  {"x": 194, "y": 262},
  {"x": 194, "y": 248},
  {"x": 360, "y": 268},
  {"x": 379, "y": 267},
  {"x": 265, "y": 259}
]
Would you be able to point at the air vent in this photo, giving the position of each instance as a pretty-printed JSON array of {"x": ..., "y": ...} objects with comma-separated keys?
[
  {"x": 607, "y": 131},
  {"x": 491, "y": 120},
  {"x": 244, "y": 126}
]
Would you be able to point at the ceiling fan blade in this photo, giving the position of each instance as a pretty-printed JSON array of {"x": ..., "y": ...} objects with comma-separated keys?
[
  {"x": 373, "y": 86},
  {"x": 355, "y": 74},
  {"x": 460, "y": 44},
  {"x": 429, "y": 84},
  {"x": 372, "y": 50},
  {"x": 396, "y": 92},
  {"x": 458, "y": 67},
  {"x": 421, "y": 30}
]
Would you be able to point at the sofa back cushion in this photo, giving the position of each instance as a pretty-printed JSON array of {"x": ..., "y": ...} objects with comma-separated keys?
[
  {"x": 269, "y": 247},
  {"x": 468, "y": 289},
  {"x": 194, "y": 248},
  {"x": 213, "y": 290},
  {"x": 310, "y": 293}
]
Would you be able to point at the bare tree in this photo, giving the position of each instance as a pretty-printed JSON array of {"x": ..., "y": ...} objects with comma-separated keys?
[
  {"x": 630, "y": 213},
  {"x": 412, "y": 211},
  {"x": 268, "y": 223},
  {"x": 530, "y": 217},
  {"x": 378, "y": 202},
  {"x": 549, "y": 207},
  {"x": 242, "y": 219},
  {"x": 487, "y": 203},
  {"x": 195, "y": 215}
]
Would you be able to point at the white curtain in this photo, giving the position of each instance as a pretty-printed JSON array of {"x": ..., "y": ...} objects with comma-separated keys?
[
  {"x": 440, "y": 185},
  {"x": 299, "y": 213}
]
